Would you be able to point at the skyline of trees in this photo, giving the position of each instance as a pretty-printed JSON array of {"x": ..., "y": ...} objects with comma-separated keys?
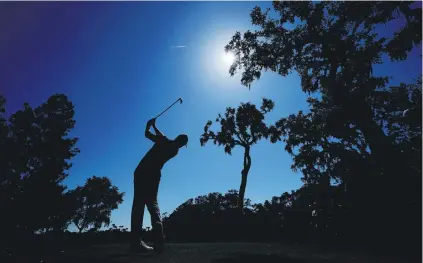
[{"x": 358, "y": 147}]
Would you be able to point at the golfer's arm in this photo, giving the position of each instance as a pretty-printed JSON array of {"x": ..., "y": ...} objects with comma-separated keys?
[
  {"x": 149, "y": 134},
  {"x": 157, "y": 131}
]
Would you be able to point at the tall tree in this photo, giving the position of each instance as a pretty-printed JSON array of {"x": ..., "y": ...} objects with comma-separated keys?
[
  {"x": 93, "y": 203},
  {"x": 4, "y": 140},
  {"x": 241, "y": 127},
  {"x": 37, "y": 151},
  {"x": 333, "y": 46},
  {"x": 356, "y": 134}
]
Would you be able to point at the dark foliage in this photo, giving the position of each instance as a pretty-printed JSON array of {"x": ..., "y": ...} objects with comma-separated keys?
[
  {"x": 359, "y": 148},
  {"x": 35, "y": 154},
  {"x": 93, "y": 203}
]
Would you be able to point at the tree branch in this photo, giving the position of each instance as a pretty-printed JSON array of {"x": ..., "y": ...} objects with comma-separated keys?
[{"x": 240, "y": 141}]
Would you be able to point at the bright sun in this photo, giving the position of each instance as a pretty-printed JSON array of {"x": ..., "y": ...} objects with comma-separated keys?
[
  {"x": 216, "y": 62},
  {"x": 228, "y": 58}
]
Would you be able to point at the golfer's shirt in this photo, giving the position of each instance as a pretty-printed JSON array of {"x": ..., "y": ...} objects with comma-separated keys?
[{"x": 162, "y": 151}]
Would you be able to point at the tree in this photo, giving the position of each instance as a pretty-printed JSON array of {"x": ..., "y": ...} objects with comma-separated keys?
[
  {"x": 333, "y": 46},
  {"x": 4, "y": 144},
  {"x": 94, "y": 202},
  {"x": 242, "y": 127},
  {"x": 35, "y": 155},
  {"x": 358, "y": 134}
]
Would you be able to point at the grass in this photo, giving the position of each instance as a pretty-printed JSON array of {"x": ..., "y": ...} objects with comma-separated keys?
[{"x": 205, "y": 253}]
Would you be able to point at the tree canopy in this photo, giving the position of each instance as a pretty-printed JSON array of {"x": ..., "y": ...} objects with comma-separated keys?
[
  {"x": 94, "y": 202},
  {"x": 360, "y": 134},
  {"x": 36, "y": 152},
  {"x": 333, "y": 46}
]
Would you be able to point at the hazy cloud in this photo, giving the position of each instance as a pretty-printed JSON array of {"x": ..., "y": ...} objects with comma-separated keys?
[{"x": 178, "y": 46}]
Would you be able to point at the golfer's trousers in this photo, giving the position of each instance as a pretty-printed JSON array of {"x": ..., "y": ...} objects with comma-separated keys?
[{"x": 146, "y": 186}]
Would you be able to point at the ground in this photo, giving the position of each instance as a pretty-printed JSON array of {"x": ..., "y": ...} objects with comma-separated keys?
[{"x": 212, "y": 253}]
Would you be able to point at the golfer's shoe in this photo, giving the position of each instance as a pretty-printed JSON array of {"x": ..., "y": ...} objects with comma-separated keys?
[{"x": 142, "y": 249}]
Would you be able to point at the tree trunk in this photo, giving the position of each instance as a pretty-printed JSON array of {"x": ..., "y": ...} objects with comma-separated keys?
[
  {"x": 244, "y": 175},
  {"x": 361, "y": 114},
  {"x": 382, "y": 148}
]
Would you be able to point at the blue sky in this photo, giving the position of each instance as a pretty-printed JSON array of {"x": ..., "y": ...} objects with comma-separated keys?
[{"x": 118, "y": 64}]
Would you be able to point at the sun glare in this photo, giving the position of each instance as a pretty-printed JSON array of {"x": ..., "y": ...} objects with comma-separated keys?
[
  {"x": 228, "y": 58},
  {"x": 215, "y": 62}
]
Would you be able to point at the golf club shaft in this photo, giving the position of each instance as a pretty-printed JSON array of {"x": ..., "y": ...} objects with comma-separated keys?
[{"x": 167, "y": 109}]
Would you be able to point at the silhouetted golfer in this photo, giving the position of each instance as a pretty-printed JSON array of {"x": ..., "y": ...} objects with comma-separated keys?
[{"x": 146, "y": 184}]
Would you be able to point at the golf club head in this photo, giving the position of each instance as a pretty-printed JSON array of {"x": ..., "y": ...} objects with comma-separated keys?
[{"x": 180, "y": 100}]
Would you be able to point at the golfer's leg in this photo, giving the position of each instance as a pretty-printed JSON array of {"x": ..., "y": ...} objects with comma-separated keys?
[
  {"x": 156, "y": 221},
  {"x": 137, "y": 214},
  {"x": 154, "y": 210}
]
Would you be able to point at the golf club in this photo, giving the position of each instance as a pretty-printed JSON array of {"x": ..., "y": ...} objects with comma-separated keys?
[{"x": 180, "y": 100}]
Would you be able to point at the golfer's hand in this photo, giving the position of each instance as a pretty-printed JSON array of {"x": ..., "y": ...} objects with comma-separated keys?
[{"x": 151, "y": 122}]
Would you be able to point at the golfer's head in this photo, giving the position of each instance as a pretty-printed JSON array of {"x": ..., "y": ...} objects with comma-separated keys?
[{"x": 181, "y": 140}]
